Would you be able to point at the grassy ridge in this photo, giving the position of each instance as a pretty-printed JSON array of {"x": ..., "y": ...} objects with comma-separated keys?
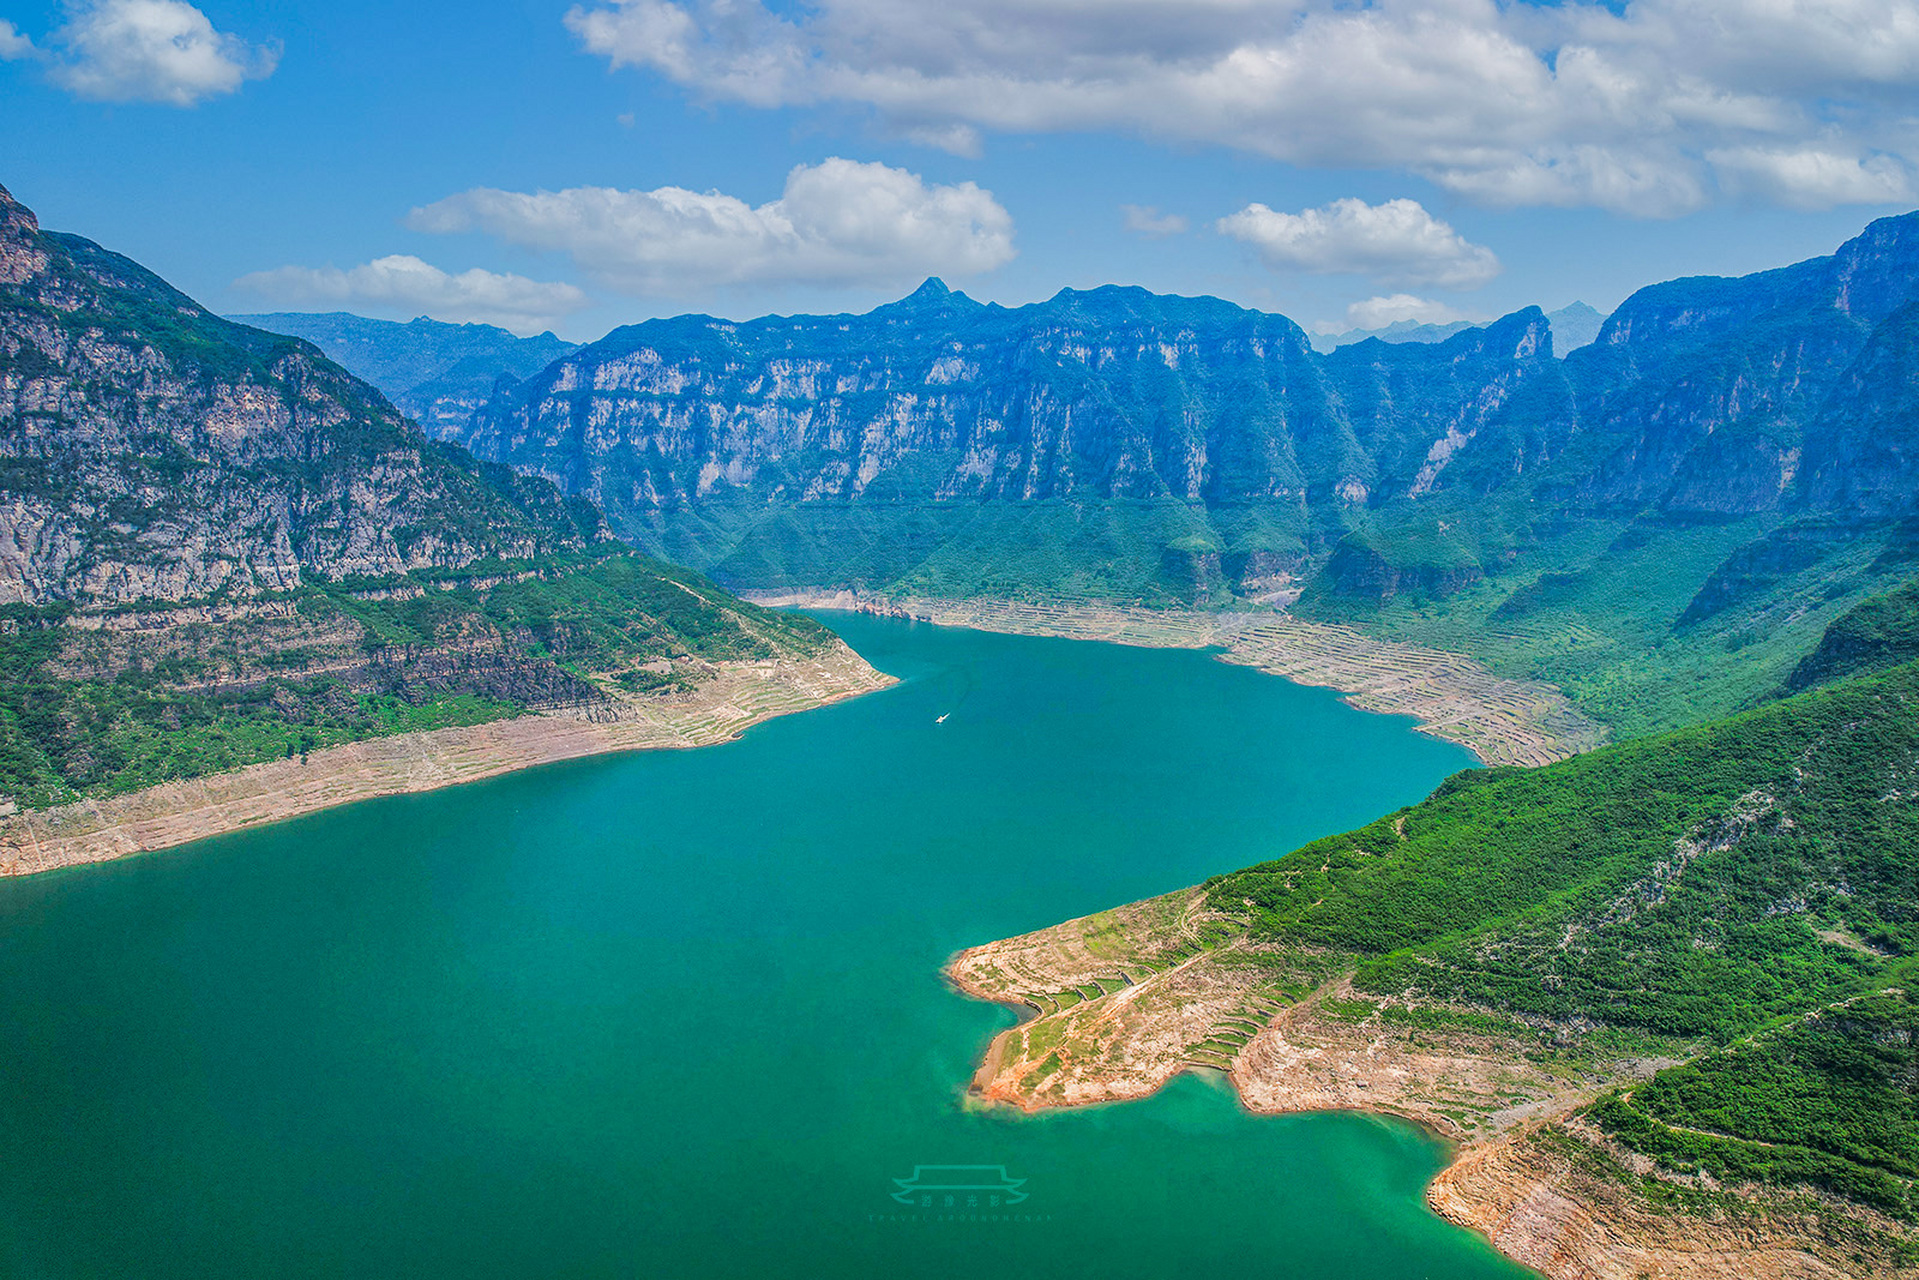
[
  {"x": 593, "y": 613},
  {"x": 1880, "y": 633}
]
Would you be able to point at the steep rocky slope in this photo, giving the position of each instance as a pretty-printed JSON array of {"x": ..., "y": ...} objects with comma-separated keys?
[
  {"x": 217, "y": 548},
  {"x": 152, "y": 451}
]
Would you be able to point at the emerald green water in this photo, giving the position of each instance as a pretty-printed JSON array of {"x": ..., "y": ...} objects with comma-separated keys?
[{"x": 678, "y": 1014}]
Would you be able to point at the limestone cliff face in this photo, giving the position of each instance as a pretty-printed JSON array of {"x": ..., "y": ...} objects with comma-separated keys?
[
  {"x": 1707, "y": 392},
  {"x": 940, "y": 405},
  {"x": 936, "y": 397},
  {"x": 150, "y": 451},
  {"x": 1862, "y": 453},
  {"x": 845, "y": 449}
]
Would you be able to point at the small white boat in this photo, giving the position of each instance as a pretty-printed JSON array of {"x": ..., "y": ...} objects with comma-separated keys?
[{"x": 942, "y": 719}]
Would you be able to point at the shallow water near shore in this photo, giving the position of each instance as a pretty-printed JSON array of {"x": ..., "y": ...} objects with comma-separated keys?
[{"x": 679, "y": 1014}]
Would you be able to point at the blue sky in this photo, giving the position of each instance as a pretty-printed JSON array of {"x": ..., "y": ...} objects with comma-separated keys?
[{"x": 1330, "y": 162}]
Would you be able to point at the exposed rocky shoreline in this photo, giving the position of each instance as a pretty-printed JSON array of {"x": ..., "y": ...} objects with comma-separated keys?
[
  {"x": 733, "y": 697},
  {"x": 1129, "y": 998}
]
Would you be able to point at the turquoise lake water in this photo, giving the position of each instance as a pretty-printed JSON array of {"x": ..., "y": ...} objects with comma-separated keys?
[{"x": 679, "y": 1014}]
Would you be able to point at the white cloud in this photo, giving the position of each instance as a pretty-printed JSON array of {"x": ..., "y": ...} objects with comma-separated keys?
[
  {"x": 1150, "y": 222},
  {"x": 1646, "y": 108},
  {"x": 1378, "y": 313},
  {"x": 13, "y": 45},
  {"x": 836, "y": 223},
  {"x": 955, "y": 139},
  {"x": 402, "y": 283},
  {"x": 152, "y": 51},
  {"x": 1397, "y": 242},
  {"x": 1811, "y": 178}
]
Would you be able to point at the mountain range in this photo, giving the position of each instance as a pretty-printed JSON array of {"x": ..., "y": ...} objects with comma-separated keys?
[
  {"x": 1486, "y": 491},
  {"x": 1220, "y": 453}
]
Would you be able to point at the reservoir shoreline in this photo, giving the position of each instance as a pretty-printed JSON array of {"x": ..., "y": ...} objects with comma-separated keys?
[
  {"x": 732, "y": 699},
  {"x": 1500, "y": 720},
  {"x": 517, "y": 976}
]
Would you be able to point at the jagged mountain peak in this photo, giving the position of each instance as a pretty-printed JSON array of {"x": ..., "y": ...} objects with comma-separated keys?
[
  {"x": 1525, "y": 332},
  {"x": 14, "y": 214},
  {"x": 1874, "y": 271},
  {"x": 934, "y": 297},
  {"x": 21, "y": 254}
]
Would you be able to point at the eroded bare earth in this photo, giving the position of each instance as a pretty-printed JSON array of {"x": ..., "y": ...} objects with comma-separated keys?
[
  {"x": 1561, "y": 1198},
  {"x": 1127, "y": 999}
]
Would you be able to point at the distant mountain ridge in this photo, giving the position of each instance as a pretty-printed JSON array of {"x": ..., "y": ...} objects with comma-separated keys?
[
  {"x": 1573, "y": 327},
  {"x": 1219, "y": 445},
  {"x": 748, "y": 446},
  {"x": 435, "y": 373}
]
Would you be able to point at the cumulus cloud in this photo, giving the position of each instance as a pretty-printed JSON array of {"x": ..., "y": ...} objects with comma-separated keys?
[
  {"x": 13, "y": 45},
  {"x": 1397, "y": 242},
  {"x": 1654, "y": 107},
  {"x": 1391, "y": 309},
  {"x": 839, "y": 222},
  {"x": 147, "y": 51},
  {"x": 402, "y": 283},
  {"x": 1147, "y": 221}
]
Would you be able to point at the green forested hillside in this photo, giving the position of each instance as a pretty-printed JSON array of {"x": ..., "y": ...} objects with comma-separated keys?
[
  {"x": 1748, "y": 887},
  {"x": 1678, "y": 883},
  {"x": 1827, "y": 1101}
]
